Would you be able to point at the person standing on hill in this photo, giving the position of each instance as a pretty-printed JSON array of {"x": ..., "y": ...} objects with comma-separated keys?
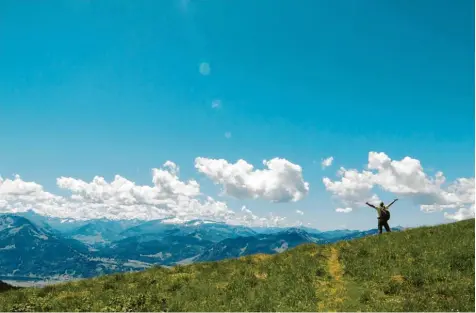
[{"x": 383, "y": 215}]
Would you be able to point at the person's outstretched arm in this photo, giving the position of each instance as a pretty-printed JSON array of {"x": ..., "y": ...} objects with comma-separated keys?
[
  {"x": 370, "y": 205},
  {"x": 388, "y": 206}
]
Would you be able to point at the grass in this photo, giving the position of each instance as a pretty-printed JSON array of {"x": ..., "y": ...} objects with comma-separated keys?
[{"x": 424, "y": 269}]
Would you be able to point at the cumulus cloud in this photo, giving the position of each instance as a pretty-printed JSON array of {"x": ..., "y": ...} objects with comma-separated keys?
[
  {"x": 300, "y": 212},
  {"x": 462, "y": 214},
  {"x": 353, "y": 188},
  {"x": 281, "y": 181},
  {"x": 247, "y": 217},
  {"x": 345, "y": 210},
  {"x": 15, "y": 192},
  {"x": 404, "y": 178},
  {"x": 167, "y": 197},
  {"x": 327, "y": 162}
]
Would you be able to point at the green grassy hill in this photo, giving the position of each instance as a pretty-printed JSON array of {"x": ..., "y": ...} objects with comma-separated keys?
[{"x": 424, "y": 269}]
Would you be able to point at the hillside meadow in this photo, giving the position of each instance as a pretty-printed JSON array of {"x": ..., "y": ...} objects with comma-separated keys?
[{"x": 423, "y": 269}]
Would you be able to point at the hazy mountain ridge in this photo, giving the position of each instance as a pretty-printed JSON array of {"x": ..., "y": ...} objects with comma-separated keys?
[{"x": 27, "y": 250}]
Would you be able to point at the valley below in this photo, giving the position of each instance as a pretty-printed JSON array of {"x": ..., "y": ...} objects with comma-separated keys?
[{"x": 37, "y": 250}]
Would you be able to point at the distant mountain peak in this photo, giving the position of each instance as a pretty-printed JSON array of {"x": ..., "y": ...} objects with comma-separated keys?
[{"x": 198, "y": 222}]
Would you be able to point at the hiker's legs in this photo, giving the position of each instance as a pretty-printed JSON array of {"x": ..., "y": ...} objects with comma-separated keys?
[
  {"x": 380, "y": 224},
  {"x": 387, "y": 228}
]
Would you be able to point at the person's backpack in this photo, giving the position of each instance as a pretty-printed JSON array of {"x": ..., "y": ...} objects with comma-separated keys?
[{"x": 385, "y": 214}]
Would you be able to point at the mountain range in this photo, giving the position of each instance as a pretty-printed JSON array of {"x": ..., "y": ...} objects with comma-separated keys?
[
  {"x": 28, "y": 250},
  {"x": 34, "y": 246}
]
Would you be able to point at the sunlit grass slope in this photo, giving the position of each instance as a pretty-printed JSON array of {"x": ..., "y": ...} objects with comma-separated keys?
[{"x": 424, "y": 269}]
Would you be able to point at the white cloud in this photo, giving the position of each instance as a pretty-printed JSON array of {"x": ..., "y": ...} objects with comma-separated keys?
[
  {"x": 300, "y": 212},
  {"x": 247, "y": 217},
  {"x": 458, "y": 195},
  {"x": 282, "y": 181},
  {"x": 228, "y": 135},
  {"x": 118, "y": 199},
  {"x": 345, "y": 210},
  {"x": 216, "y": 104},
  {"x": 167, "y": 188},
  {"x": 167, "y": 197},
  {"x": 353, "y": 188},
  {"x": 204, "y": 68},
  {"x": 327, "y": 162},
  {"x": 18, "y": 193},
  {"x": 462, "y": 214},
  {"x": 404, "y": 178}
]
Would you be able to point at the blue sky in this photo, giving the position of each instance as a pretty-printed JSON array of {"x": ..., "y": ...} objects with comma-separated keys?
[{"x": 113, "y": 87}]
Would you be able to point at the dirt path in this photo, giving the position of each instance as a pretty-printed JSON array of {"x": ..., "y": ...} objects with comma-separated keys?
[
  {"x": 331, "y": 293},
  {"x": 335, "y": 268}
]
